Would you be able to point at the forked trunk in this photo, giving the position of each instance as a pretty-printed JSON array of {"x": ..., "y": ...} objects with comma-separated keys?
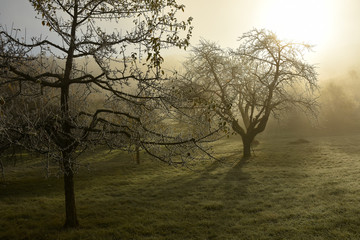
[{"x": 70, "y": 207}]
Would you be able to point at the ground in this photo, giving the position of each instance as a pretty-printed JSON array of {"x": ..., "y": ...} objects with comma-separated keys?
[{"x": 303, "y": 190}]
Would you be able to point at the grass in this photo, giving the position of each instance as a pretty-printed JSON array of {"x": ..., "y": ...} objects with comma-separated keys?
[{"x": 287, "y": 191}]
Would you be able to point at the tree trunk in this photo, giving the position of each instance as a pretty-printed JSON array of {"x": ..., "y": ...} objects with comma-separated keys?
[
  {"x": 137, "y": 152},
  {"x": 2, "y": 170},
  {"x": 247, "y": 140},
  {"x": 70, "y": 207}
]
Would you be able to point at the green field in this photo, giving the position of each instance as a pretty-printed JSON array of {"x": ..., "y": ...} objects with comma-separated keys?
[{"x": 287, "y": 191}]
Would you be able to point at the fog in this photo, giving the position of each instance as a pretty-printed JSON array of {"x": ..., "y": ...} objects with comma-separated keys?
[
  {"x": 340, "y": 103},
  {"x": 339, "y": 110},
  {"x": 330, "y": 25}
]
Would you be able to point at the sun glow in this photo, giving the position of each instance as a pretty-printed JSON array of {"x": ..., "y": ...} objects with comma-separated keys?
[{"x": 299, "y": 20}]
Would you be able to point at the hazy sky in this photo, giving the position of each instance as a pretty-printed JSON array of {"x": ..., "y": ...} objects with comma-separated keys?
[{"x": 331, "y": 25}]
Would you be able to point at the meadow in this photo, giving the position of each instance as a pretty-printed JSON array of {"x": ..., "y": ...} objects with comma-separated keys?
[{"x": 288, "y": 190}]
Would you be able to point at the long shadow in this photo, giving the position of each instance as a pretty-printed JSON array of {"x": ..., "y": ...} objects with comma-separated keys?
[
  {"x": 238, "y": 181},
  {"x": 236, "y": 173},
  {"x": 218, "y": 182},
  {"x": 206, "y": 198}
]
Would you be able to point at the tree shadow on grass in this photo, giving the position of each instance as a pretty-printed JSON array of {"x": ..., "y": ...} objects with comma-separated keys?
[
  {"x": 237, "y": 181},
  {"x": 217, "y": 181},
  {"x": 200, "y": 201},
  {"x": 236, "y": 173}
]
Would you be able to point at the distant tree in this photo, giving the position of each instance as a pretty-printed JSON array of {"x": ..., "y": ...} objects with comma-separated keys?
[
  {"x": 47, "y": 88},
  {"x": 11, "y": 127},
  {"x": 242, "y": 88}
]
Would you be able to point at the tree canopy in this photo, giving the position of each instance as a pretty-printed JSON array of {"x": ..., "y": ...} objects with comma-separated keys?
[
  {"x": 243, "y": 87},
  {"x": 93, "y": 85}
]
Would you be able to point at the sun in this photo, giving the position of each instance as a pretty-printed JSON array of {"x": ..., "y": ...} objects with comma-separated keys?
[{"x": 299, "y": 20}]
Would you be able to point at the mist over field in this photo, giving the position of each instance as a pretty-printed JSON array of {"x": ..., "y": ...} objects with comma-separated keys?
[
  {"x": 339, "y": 110},
  {"x": 179, "y": 119}
]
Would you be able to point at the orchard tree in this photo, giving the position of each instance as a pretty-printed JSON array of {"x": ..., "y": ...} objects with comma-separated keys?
[
  {"x": 243, "y": 87},
  {"x": 60, "y": 97}
]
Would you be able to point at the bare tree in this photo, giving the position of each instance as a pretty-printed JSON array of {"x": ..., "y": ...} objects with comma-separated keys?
[
  {"x": 48, "y": 88},
  {"x": 264, "y": 76}
]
